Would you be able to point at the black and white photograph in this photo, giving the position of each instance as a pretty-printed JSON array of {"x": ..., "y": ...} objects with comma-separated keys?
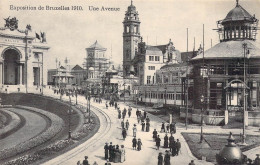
[{"x": 131, "y": 82}]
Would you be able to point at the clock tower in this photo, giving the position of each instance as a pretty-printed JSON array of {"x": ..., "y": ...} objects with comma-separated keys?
[{"x": 131, "y": 38}]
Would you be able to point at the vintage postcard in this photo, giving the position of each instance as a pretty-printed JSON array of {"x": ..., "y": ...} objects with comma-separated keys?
[{"x": 132, "y": 82}]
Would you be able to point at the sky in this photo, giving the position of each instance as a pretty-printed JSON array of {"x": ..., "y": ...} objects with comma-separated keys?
[{"x": 69, "y": 33}]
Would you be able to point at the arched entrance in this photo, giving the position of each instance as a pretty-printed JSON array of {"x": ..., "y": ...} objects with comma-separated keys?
[{"x": 11, "y": 67}]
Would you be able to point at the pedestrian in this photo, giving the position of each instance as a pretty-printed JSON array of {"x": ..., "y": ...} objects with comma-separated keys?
[
  {"x": 78, "y": 163},
  {"x": 178, "y": 147},
  {"x": 167, "y": 128},
  {"x": 134, "y": 131},
  {"x": 119, "y": 114},
  {"x": 138, "y": 119},
  {"x": 106, "y": 148},
  {"x": 174, "y": 148},
  {"x": 124, "y": 113},
  {"x": 171, "y": 128},
  {"x": 145, "y": 114},
  {"x": 106, "y": 105},
  {"x": 95, "y": 163},
  {"x": 113, "y": 153},
  {"x": 117, "y": 155},
  {"x": 147, "y": 119},
  {"x": 137, "y": 113},
  {"x": 143, "y": 125},
  {"x": 129, "y": 111},
  {"x": 163, "y": 127},
  {"x": 134, "y": 142},
  {"x": 124, "y": 133},
  {"x": 158, "y": 141},
  {"x": 160, "y": 159},
  {"x": 122, "y": 124},
  {"x": 167, "y": 158},
  {"x": 154, "y": 135},
  {"x": 171, "y": 141},
  {"x": 122, "y": 153},
  {"x": 165, "y": 141},
  {"x": 110, "y": 151},
  {"x": 174, "y": 128},
  {"x": 115, "y": 105},
  {"x": 107, "y": 163},
  {"x": 85, "y": 162},
  {"x": 127, "y": 124},
  {"x": 192, "y": 162},
  {"x": 139, "y": 144},
  {"x": 147, "y": 127}
]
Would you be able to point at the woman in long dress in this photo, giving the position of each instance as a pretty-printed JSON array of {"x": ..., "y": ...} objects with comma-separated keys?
[{"x": 122, "y": 153}]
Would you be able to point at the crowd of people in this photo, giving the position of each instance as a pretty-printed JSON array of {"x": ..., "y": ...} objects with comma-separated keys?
[{"x": 115, "y": 154}]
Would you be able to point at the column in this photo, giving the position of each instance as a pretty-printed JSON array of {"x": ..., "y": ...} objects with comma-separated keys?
[
  {"x": 2, "y": 73},
  {"x": 20, "y": 74}
]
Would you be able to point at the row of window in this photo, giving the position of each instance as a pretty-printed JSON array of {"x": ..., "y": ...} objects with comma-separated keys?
[
  {"x": 151, "y": 67},
  {"x": 154, "y": 58},
  {"x": 160, "y": 95}
]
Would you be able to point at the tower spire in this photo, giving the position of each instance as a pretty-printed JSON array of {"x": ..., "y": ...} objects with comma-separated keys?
[
  {"x": 131, "y": 2},
  {"x": 237, "y": 2}
]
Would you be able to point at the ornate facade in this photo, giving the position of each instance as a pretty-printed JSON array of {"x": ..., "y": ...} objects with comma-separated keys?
[
  {"x": 222, "y": 72},
  {"x": 21, "y": 61}
]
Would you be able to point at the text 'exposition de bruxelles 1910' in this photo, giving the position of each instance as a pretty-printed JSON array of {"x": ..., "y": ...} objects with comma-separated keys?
[{"x": 47, "y": 7}]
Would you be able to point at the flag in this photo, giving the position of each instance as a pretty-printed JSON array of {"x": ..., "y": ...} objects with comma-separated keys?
[{"x": 38, "y": 36}]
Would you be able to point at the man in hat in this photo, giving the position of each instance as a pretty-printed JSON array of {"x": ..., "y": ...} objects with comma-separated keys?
[
  {"x": 139, "y": 145},
  {"x": 85, "y": 162},
  {"x": 171, "y": 141},
  {"x": 154, "y": 135},
  {"x": 110, "y": 151},
  {"x": 167, "y": 158},
  {"x": 124, "y": 133},
  {"x": 127, "y": 124},
  {"x": 147, "y": 126},
  {"x": 122, "y": 124},
  {"x": 158, "y": 141},
  {"x": 143, "y": 125},
  {"x": 106, "y": 147},
  {"x": 160, "y": 159},
  {"x": 129, "y": 111},
  {"x": 178, "y": 147},
  {"x": 163, "y": 127},
  {"x": 165, "y": 141},
  {"x": 145, "y": 114},
  {"x": 134, "y": 141}
]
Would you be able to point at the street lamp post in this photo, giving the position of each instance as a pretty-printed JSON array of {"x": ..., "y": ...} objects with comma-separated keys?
[
  {"x": 165, "y": 97},
  {"x": 244, "y": 92},
  {"x": 70, "y": 111},
  {"x": 202, "y": 100}
]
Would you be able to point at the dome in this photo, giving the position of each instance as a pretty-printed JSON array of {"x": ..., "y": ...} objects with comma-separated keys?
[{"x": 238, "y": 14}]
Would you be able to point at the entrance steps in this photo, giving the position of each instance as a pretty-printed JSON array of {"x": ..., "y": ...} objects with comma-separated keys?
[
  {"x": 19, "y": 89},
  {"x": 12, "y": 89}
]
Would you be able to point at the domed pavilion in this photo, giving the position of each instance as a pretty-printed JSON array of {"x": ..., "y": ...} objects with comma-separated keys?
[{"x": 222, "y": 72}]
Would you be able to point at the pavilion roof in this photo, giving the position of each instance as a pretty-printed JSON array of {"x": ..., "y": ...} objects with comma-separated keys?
[{"x": 230, "y": 49}]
